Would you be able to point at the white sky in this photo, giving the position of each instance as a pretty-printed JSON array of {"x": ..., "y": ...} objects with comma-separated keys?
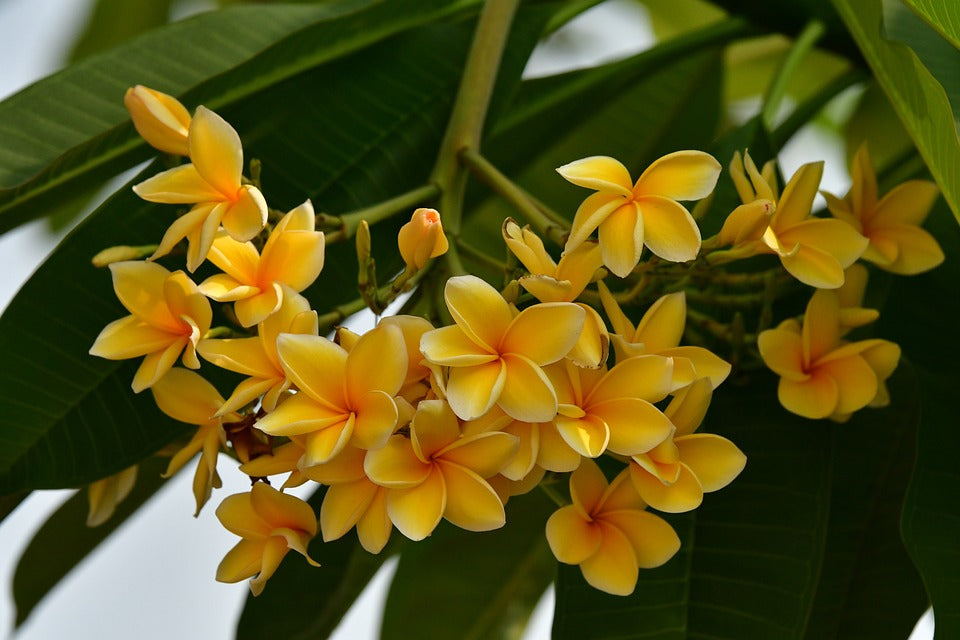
[{"x": 155, "y": 577}]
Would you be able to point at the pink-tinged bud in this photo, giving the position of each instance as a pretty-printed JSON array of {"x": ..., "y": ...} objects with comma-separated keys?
[
  {"x": 159, "y": 118},
  {"x": 422, "y": 238}
]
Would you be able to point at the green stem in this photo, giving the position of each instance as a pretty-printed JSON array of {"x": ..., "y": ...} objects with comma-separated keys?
[
  {"x": 479, "y": 256},
  {"x": 557, "y": 496},
  {"x": 453, "y": 260},
  {"x": 349, "y": 222},
  {"x": 804, "y": 112},
  {"x": 781, "y": 80},
  {"x": 513, "y": 194},
  {"x": 470, "y": 109}
]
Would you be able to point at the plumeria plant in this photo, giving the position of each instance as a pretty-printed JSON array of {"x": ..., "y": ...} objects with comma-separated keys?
[{"x": 698, "y": 402}]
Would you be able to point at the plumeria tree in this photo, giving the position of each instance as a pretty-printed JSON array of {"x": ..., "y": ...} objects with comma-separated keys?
[{"x": 627, "y": 354}]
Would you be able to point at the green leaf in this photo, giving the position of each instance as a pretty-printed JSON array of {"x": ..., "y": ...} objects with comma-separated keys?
[
  {"x": 754, "y": 556},
  {"x": 71, "y": 128},
  {"x": 942, "y": 15},
  {"x": 112, "y": 22},
  {"x": 460, "y": 584},
  {"x": 65, "y": 539},
  {"x": 925, "y": 330},
  {"x": 302, "y": 602},
  {"x": 918, "y": 98}
]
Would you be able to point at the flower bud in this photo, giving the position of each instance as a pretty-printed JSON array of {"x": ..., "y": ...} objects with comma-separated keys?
[
  {"x": 121, "y": 253},
  {"x": 422, "y": 238},
  {"x": 159, "y": 118}
]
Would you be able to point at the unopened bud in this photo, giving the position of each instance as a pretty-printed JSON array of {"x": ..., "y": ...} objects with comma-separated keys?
[
  {"x": 363, "y": 242},
  {"x": 159, "y": 118},
  {"x": 121, "y": 253},
  {"x": 422, "y": 238}
]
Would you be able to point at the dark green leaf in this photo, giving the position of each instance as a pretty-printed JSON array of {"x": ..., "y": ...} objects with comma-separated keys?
[
  {"x": 942, "y": 15},
  {"x": 72, "y": 128},
  {"x": 112, "y": 22},
  {"x": 459, "y": 584},
  {"x": 64, "y": 539},
  {"x": 302, "y": 602},
  {"x": 754, "y": 560}
]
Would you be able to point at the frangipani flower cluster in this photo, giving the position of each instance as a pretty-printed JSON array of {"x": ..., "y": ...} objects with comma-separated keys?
[{"x": 487, "y": 393}]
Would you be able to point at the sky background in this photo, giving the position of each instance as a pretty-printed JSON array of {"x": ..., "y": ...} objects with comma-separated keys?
[{"x": 154, "y": 576}]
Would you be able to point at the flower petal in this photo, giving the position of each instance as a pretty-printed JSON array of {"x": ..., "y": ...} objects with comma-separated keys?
[
  {"x": 484, "y": 453},
  {"x": 180, "y": 185},
  {"x": 653, "y": 539},
  {"x": 434, "y": 426},
  {"x": 130, "y": 337},
  {"x": 554, "y": 453},
  {"x": 618, "y": 319},
  {"x": 396, "y": 465},
  {"x": 527, "y": 394},
  {"x": 324, "y": 445},
  {"x": 837, "y": 238},
  {"x": 417, "y": 511},
  {"x": 813, "y": 398},
  {"x": 590, "y": 214},
  {"x": 246, "y": 216},
  {"x": 344, "y": 505},
  {"x": 545, "y": 332},
  {"x": 471, "y": 391},
  {"x": 215, "y": 151},
  {"x": 685, "y": 494},
  {"x": 451, "y": 346},
  {"x": 648, "y": 377},
  {"x": 237, "y": 515},
  {"x": 908, "y": 203},
  {"x": 472, "y": 504},
  {"x": 662, "y": 325},
  {"x": 155, "y": 365},
  {"x": 613, "y": 568},
  {"x": 186, "y": 396},
  {"x": 621, "y": 239},
  {"x": 636, "y": 426},
  {"x": 295, "y": 258},
  {"x": 298, "y": 415},
  {"x": 856, "y": 382},
  {"x": 670, "y": 231},
  {"x": 378, "y": 362},
  {"x": 713, "y": 459},
  {"x": 242, "y": 561},
  {"x": 782, "y": 352},
  {"x": 918, "y": 251},
  {"x": 601, "y": 173},
  {"x": 689, "y": 406},
  {"x": 588, "y": 436},
  {"x": 242, "y": 355},
  {"x": 681, "y": 175},
  {"x": 374, "y": 527},
  {"x": 821, "y": 326},
  {"x": 376, "y": 418},
  {"x": 587, "y": 486},
  {"x": 571, "y": 537},
  {"x": 316, "y": 365},
  {"x": 814, "y": 267},
  {"x": 797, "y": 199}
]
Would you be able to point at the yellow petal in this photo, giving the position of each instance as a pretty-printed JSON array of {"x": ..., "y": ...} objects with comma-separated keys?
[
  {"x": 587, "y": 486},
  {"x": 527, "y": 247},
  {"x": 571, "y": 537},
  {"x": 837, "y": 238},
  {"x": 821, "y": 326},
  {"x": 478, "y": 309},
  {"x": 200, "y": 237},
  {"x": 548, "y": 288},
  {"x": 186, "y": 396},
  {"x": 139, "y": 287},
  {"x": 155, "y": 365},
  {"x": 527, "y": 450},
  {"x": 613, "y": 568},
  {"x": 588, "y": 436},
  {"x": 618, "y": 319},
  {"x": 636, "y": 426},
  {"x": 814, "y": 267},
  {"x": 243, "y": 355},
  {"x": 316, "y": 366},
  {"x": 620, "y": 495},
  {"x": 343, "y": 506},
  {"x": 186, "y": 226},
  {"x": 681, "y": 175},
  {"x": 239, "y": 260},
  {"x": 378, "y": 362},
  {"x": 242, "y": 561},
  {"x": 237, "y": 515},
  {"x": 554, "y": 453},
  {"x": 527, "y": 393},
  {"x": 417, "y": 511},
  {"x": 283, "y": 460},
  {"x": 450, "y": 346},
  {"x": 797, "y": 198},
  {"x": 396, "y": 465},
  {"x": 883, "y": 356},
  {"x": 863, "y": 192},
  {"x": 782, "y": 352},
  {"x": 685, "y": 494},
  {"x": 705, "y": 363},
  {"x": 813, "y": 398},
  {"x": 434, "y": 426},
  {"x": 159, "y": 118},
  {"x": 856, "y": 382},
  {"x": 591, "y": 213},
  {"x": 376, "y": 418},
  {"x": 648, "y": 377},
  {"x": 484, "y": 453},
  {"x": 180, "y": 185},
  {"x": 374, "y": 527},
  {"x": 472, "y": 504},
  {"x": 274, "y": 551},
  {"x": 689, "y": 406},
  {"x": 746, "y": 223},
  {"x": 282, "y": 510},
  {"x": 298, "y": 415},
  {"x": 662, "y": 325},
  {"x": 225, "y": 288},
  {"x": 130, "y": 337},
  {"x": 593, "y": 345},
  {"x": 295, "y": 258},
  {"x": 544, "y": 333},
  {"x": 908, "y": 203},
  {"x": 653, "y": 539},
  {"x": 324, "y": 445},
  {"x": 713, "y": 459},
  {"x": 215, "y": 151},
  {"x": 918, "y": 251},
  {"x": 621, "y": 239},
  {"x": 471, "y": 391},
  {"x": 244, "y": 217},
  {"x": 600, "y": 173},
  {"x": 669, "y": 230}
]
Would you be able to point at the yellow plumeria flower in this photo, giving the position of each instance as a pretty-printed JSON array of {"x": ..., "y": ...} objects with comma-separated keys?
[
  {"x": 168, "y": 317},
  {"x": 213, "y": 183},
  {"x": 550, "y": 281},
  {"x": 257, "y": 357},
  {"x": 630, "y": 215},
  {"x": 159, "y": 118},
  {"x": 850, "y": 296},
  {"x": 745, "y": 225},
  {"x": 105, "y": 494},
  {"x": 352, "y": 500},
  {"x": 422, "y": 239},
  {"x": 417, "y": 383},
  {"x": 344, "y": 398},
  {"x": 892, "y": 223},
  {"x": 815, "y": 251},
  {"x": 602, "y": 410},
  {"x": 607, "y": 531},
  {"x": 496, "y": 358},
  {"x": 186, "y": 396},
  {"x": 674, "y": 475},
  {"x": 659, "y": 332},
  {"x": 820, "y": 376},
  {"x": 271, "y": 524},
  {"x": 292, "y": 256},
  {"x": 438, "y": 473}
]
